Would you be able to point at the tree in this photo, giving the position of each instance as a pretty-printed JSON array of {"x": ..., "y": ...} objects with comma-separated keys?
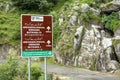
[{"x": 33, "y": 4}]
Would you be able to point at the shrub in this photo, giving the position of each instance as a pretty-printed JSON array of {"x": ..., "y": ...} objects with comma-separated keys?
[
  {"x": 33, "y": 4},
  {"x": 9, "y": 69},
  {"x": 13, "y": 69},
  {"x": 36, "y": 71},
  {"x": 111, "y": 21}
]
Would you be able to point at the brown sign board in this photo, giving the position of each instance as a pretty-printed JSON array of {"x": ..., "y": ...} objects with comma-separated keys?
[{"x": 36, "y": 33}]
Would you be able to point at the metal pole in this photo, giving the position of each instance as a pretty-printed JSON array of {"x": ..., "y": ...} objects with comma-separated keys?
[
  {"x": 29, "y": 68},
  {"x": 45, "y": 68}
]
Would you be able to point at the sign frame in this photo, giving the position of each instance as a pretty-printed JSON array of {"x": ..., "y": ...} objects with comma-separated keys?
[{"x": 37, "y": 53}]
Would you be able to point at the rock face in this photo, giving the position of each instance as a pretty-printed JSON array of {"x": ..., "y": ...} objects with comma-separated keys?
[
  {"x": 6, "y": 6},
  {"x": 4, "y": 50},
  {"x": 78, "y": 38},
  {"x": 87, "y": 43},
  {"x": 96, "y": 49},
  {"x": 110, "y": 7},
  {"x": 7, "y": 49}
]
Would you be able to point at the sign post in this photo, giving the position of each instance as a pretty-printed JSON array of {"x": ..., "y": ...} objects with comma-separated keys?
[
  {"x": 29, "y": 68},
  {"x": 45, "y": 68},
  {"x": 36, "y": 37}
]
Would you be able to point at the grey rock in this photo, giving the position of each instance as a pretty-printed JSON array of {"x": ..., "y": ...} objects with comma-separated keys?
[
  {"x": 119, "y": 14},
  {"x": 113, "y": 66},
  {"x": 117, "y": 49},
  {"x": 102, "y": 62},
  {"x": 89, "y": 47},
  {"x": 97, "y": 12},
  {"x": 75, "y": 8},
  {"x": 62, "y": 15},
  {"x": 61, "y": 18},
  {"x": 105, "y": 58},
  {"x": 4, "y": 50},
  {"x": 116, "y": 2},
  {"x": 92, "y": 47},
  {"x": 75, "y": 13},
  {"x": 58, "y": 58},
  {"x": 106, "y": 42},
  {"x": 78, "y": 37},
  {"x": 96, "y": 31},
  {"x": 1, "y": 5},
  {"x": 73, "y": 20},
  {"x": 84, "y": 7},
  {"x": 117, "y": 32},
  {"x": 110, "y": 7},
  {"x": 60, "y": 21},
  {"x": 7, "y": 8},
  {"x": 87, "y": 8}
]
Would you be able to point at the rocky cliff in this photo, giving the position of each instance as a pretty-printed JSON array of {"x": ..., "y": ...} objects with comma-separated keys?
[{"x": 84, "y": 40}]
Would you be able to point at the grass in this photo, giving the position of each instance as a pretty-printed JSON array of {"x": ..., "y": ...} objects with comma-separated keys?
[
  {"x": 115, "y": 42},
  {"x": 59, "y": 5}
]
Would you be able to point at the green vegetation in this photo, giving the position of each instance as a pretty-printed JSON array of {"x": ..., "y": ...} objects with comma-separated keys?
[
  {"x": 10, "y": 33},
  {"x": 87, "y": 1},
  {"x": 90, "y": 18},
  {"x": 14, "y": 69},
  {"x": 38, "y": 5},
  {"x": 111, "y": 21},
  {"x": 9, "y": 28},
  {"x": 115, "y": 42},
  {"x": 62, "y": 37},
  {"x": 10, "y": 21}
]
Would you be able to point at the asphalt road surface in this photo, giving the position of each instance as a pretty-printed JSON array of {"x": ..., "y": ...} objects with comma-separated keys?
[{"x": 78, "y": 73}]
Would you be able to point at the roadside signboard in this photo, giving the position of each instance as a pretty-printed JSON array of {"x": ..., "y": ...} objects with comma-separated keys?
[{"x": 36, "y": 35}]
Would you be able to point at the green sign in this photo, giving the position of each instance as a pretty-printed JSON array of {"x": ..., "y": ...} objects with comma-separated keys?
[{"x": 44, "y": 53}]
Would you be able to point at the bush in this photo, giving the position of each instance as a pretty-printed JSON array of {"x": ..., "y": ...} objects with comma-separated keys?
[
  {"x": 9, "y": 69},
  {"x": 57, "y": 32},
  {"x": 36, "y": 71},
  {"x": 13, "y": 69},
  {"x": 10, "y": 29},
  {"x": 33, "y": 4},
  {"x": 111, "y": 21}
]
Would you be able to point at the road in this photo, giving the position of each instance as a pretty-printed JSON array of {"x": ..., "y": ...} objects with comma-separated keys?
[{"x": 78, "y": 73}]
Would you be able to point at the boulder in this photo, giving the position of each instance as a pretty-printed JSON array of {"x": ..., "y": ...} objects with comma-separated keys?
[
  {"x": 73, "y": 20},
  {"x": 106, "y": 42},
  {"x": 97, "y": 12},
  {"x": 84, "y": 7},
  {"x": 112, "y": 66},
  {"x": 87, "y": 8},
  {"x": 117, "y": 32},
  {"x": 105, "y": 58},
  {"x": 116, "y": 2},
  {"x": 60, "y": 21},
  {"x": 75, "y": 8},
  {"x": 110, "y": 7}
]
